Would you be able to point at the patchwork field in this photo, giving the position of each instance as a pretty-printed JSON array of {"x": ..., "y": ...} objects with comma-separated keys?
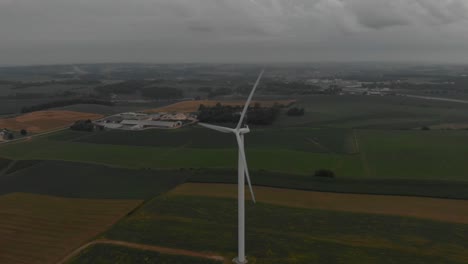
[
  {"x": 43, "y": 229},
  {"x": 192, "y": 106},
  {"x": 278, "y": 234},
  {"x": 41, "y": 121},
  {"x": 428, "y": 208}
]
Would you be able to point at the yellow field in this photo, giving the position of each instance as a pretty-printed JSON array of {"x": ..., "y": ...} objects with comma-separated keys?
[
  {"x": 192, "y": 106},
  {"x": 41, "y": 121},
  {"x": 446, "y": 210},
  {"x": 44, "y": 229}
]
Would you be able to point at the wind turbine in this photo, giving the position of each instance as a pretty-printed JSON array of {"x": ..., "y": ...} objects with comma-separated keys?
[{"x": 243, "y": 171}]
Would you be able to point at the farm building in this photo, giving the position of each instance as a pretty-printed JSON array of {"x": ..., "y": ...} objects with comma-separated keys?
[
  {"x": 177, "y": 116},
  {"x": 134, "y": 116},
  {"x": 142, "y": 124},
  {"x": 5, "y": 134}
]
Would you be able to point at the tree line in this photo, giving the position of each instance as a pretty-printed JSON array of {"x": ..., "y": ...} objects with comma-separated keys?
[{"x": 256, "y": 115}]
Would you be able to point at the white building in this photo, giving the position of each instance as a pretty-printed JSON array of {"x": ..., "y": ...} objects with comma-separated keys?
[{"x": 145, "y": 124}]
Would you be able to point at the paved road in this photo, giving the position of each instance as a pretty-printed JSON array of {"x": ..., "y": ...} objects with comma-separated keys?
[{"x": 164, "y": 250}]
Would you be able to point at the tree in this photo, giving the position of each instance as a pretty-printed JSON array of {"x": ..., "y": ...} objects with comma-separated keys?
[{"x": 24, "y": 132}]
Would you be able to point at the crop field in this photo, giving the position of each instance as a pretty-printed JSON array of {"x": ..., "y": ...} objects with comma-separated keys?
[
  {"x": 404, "y": 187},
  {"x": 78, "y": 180},
  {"x": 445, "y": 210},
  {"x": 302, "y": 139},
  {"x": 43, "y": 229},
  {"x": 380, "y": 112},
  {"x": 379, "y": 154},
  {"x": 111, "y": 254},
  {"x": 192, "y": 106},
  {"x": 44, "y": 120},
  {"x": 4, "y": 163},
  {"x": 437, "y": 155},
  {"x": 278, "y": 234},
  {"x": 169, "y": 157}
]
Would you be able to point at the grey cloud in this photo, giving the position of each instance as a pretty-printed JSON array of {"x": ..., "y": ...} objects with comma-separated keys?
[{"x": 55, "y": 31}]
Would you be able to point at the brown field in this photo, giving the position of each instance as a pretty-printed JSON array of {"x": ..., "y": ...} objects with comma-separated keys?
[
  {"x": 44, "y": 229},
  {"x": 445, "y": 210},
  {"x": 192, "y": 106},
  {"x": 42, "y": 121}
]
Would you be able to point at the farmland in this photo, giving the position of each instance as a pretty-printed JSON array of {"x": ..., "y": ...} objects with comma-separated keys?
[
  {"x": 445, "y": 210},
  {"x": 170, "y": 158},
  {"x": 42, "y": 229},
  {"x": 374, "y": 145},
  {"x": 207, "y": 224},
  {"x": 111, "y": 254},
  {"x": 78, "y": 180},
  {"x": 374, "y": 112},
  {"x": 192, "y": 106},
  {"x": 41, "y": 121},
  {"x": 364, "y": 154}
]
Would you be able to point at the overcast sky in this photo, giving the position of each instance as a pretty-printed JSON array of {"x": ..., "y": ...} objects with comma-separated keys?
[{"x": 77, "y": 31}]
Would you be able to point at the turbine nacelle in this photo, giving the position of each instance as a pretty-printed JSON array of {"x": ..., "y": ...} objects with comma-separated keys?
[{"x": 244, "y": 130}]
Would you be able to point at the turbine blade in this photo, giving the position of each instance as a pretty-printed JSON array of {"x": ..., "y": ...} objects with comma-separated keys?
[
  {"x": 249, "y": 99},
  {"x": 217, "y": 128},
  {"x": 240, "y": 142}
]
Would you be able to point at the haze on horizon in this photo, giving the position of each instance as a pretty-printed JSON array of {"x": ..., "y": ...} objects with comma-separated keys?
[{"x": 170, "y": 31}]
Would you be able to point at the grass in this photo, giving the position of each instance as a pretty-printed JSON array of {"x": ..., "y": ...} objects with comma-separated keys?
[
  {"x": 169, "y": 157},
  {"x": 405, "y": 187},
  {"x": 111, "y": 254},
  {"x": 277, "y": 234},
  {"x": 300, "y": 139},
  {"x": 21, "y": 165},
  {"x": 382, "y": 154},
  {"x": 428, "y": 155},
  {"x": 43, "y": 229},
  {"x": 78, "y": 180},
  {"x": 386, "y": 112},
  {"x": 4, "y": 163},
  {"x": 427, "y": 208}
]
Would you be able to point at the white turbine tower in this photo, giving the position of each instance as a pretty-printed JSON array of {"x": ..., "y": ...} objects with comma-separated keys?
[{"x": 243, "y": 171}]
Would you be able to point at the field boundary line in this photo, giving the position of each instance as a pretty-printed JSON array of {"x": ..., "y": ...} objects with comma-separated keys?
[
  {"x": 363, "y": 155},
  {"x": 164, "y": 250}
]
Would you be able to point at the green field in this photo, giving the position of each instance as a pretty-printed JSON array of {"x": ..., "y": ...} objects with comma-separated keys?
[
  {"x": 81, "y": 180},
  {"x": 277, "y": 234},
  {"x": 110, "y": 254},
  {"x": 300, "y": 139},
  {"x": 382, "y": 154},
  {"x": 276, "y": 159},
  {"x": 405, "y": 187},
  {"x": 425, "y": 155},
  {"x": 376, "y": 112}
]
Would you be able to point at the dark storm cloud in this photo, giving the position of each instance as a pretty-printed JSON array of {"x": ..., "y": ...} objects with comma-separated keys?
[{"x": 56, "y": 31}]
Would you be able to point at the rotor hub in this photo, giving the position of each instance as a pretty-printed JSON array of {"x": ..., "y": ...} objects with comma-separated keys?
[{"x": 244, "y": 130}]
